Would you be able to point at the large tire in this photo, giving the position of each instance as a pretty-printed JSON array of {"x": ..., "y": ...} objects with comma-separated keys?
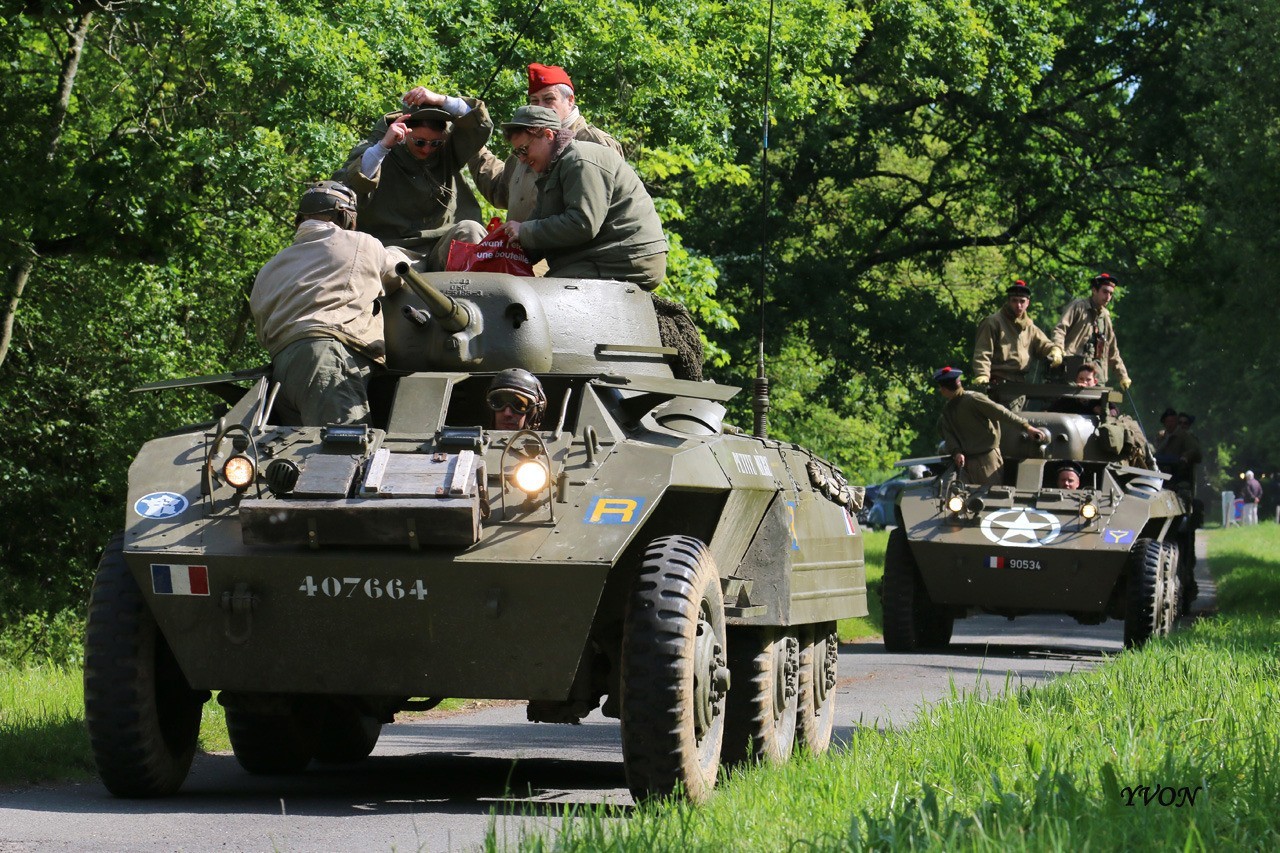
[
  {"x": 674, "y": 673},
  {"x": 346, "y": 734},
  {"x": 816, "y": 710},
  {"x": 760, "y": 713},
  {"x": 271, "y": 744},
  {"x": 911, "y": 621},
  {"x": 1150, "y": 593},
  {"x": 143, "y": 717}
]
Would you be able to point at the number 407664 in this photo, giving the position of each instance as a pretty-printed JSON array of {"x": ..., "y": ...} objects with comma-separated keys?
[{"x": 373, "y": 588}]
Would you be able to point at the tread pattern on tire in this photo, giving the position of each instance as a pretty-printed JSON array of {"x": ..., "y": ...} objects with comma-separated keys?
[
  {"x": 143, "y": 718},
  {"x": 911, "y": 621},
  {"x": 660, "y": 752},
  {"x": 815, "y": 720},
  {"x": 754, "y": 729},
  {"x": 1147, "y": 593}
]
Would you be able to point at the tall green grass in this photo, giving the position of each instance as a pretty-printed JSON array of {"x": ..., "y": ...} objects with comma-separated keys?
[{"x": 1176, "y": 746}]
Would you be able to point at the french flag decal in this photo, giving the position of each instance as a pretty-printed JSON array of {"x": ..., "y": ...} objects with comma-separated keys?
[
  {"x": 995, "y": 562},
  {"x": 179, "y": 580}
]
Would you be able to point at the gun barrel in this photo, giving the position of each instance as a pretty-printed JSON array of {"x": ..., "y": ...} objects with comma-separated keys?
[{"x": 451, "y": 316}]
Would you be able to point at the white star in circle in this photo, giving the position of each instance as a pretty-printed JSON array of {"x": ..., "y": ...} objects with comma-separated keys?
[{"x": 1021, "y": 528}]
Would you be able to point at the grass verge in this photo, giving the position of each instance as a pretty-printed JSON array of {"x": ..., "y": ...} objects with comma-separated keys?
[
  {"x": 1173, "y": 747},
  {"x": 865, "y": 627}
]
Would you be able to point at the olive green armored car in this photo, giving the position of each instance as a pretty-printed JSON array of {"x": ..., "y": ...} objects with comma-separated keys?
[
  {"x": 1119, "y": 546},
  {"x": 633, "y": 552}
]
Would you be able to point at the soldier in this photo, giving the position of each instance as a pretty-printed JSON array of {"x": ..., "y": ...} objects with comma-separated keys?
[
  {"x": 970, "y": 427},
  {"x": 1086, "y": 329},
  {"x": 408, "y": 174},
  {"x": 512, "y": 184},
  {"x": 517, "y": 400},
  {"x": 1008, "y": 340},
  {"x": 594, "y": 218},
  {"x": 1177, "y": 450},
  {"x": 1069, "y": 474},
  {"x": 313, "y": 304},
  {"x": 1086, "y": 377}
]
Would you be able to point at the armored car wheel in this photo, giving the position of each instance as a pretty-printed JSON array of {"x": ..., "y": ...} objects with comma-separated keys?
[
  {"x": 143, "y": 717},
  {"x": 1149, "y": 595},
  {"x": 816, "y": 711},
  {"x": 271, "y": 744},
  {"x": 346, "y": 734},
  {"x": 760, "y": 713},
  {"x": 911, "y": 620},
  {"x": 674, "y": 672}
]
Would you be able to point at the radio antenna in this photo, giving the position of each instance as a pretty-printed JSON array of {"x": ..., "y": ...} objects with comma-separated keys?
[
  {"x": 524, "y": 27},
  {"x": 760, "y": 388}
]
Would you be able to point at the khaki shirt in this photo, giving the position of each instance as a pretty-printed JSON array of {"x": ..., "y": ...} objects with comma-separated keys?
[
  {"x": 412, "y": 203},
  {"x": 592, "y": 205},
  {"x": 324, "y": 286},
  {"x": 1004, "y": 347},
  {"x": 970, "y": 423},
  {"x": 512, "y": 185},
  {"x": 1075, "y": 333}
]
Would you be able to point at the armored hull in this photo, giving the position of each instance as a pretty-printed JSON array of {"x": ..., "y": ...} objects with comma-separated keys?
[{"x": 365, "y": 570}]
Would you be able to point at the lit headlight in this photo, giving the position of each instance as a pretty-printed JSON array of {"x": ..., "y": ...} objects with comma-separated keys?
[
  {"x": 1088, "y": 512},
  {"x": 955, "y": 503},
  {"x": 238, "y": 472},
  {"x": 530, "y": 477}
]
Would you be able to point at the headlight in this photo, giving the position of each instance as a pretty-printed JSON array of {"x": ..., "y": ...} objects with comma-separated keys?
[
  {"x": 530, "y": 477},
  {"x": 955, "y": 503},
  {"x": 1088, "y": 512},
  {"x": 238, "y": 472}
]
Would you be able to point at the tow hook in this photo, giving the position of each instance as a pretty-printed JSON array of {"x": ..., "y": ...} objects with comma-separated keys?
[{"x": 237, "y": 607}]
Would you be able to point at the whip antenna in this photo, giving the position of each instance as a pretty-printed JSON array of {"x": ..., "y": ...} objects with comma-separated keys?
[
  {"x": 524, "y": 27},
  {"x": 760, "y": 388}
]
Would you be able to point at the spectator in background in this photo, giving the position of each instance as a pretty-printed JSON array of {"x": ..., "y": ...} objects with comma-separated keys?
[{"x": 1251, "y": 493}]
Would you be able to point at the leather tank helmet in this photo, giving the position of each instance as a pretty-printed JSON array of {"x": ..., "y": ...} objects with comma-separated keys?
[
  {"x": 525, "y": 384},
  {"x": 329, "y": 197}
]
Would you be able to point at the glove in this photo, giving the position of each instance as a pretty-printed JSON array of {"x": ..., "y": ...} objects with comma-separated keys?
[
  {"x": 1055, "y": 357},
  {"x": 980, "y": 381},
  {"x": 1125, "y": 383}
]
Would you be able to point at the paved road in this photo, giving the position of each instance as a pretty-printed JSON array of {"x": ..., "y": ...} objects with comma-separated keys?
[{"x": 431, "y": 785}]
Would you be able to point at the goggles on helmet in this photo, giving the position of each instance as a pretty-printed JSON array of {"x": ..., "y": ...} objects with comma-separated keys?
[{"x": 505, "y": 399}]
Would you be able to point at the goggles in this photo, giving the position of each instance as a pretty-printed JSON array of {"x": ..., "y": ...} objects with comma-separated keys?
[
  {"x": 426, "y": 143},
  {"x": 516, "y": 402}
]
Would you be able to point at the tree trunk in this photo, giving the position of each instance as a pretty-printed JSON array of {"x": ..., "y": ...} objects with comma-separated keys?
[{"x": 20, "y": 271}]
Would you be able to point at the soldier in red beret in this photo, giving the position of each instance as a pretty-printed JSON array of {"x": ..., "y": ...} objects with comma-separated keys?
[{"x": 510, "y": 184}]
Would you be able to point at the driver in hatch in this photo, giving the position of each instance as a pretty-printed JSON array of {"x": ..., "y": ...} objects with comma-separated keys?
[{"x": 517, "y": 400}]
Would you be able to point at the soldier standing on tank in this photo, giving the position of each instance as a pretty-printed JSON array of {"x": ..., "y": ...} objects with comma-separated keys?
[
  {"x": 408, "y": 174},
  {"x": 1008, "y": 340},
  {"x": 970, "y": 427},
  {"x": 512, "y": 185},
  {"x": 517, "y": 400},
  {"x": 1086, "y": 329},
  {"x": 313, "y": 304}
]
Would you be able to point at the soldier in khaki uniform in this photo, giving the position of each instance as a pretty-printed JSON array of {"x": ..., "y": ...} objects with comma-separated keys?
[
  {"x": 970, "y": 427},
  {"x": 1008, "y": 340},
  {"x": 408, "y": 173},
  {"x": 512, "y": 185},
  {"x": 1086, "y": 329},
  {"x": 594, "y": 218},
  {"x": 313, "y": 304}
]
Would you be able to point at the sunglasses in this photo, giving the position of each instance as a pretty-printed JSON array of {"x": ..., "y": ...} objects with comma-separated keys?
[
  {"x": 521, "y": 151},
  {"x": 426, "y": 143},
  {"x": 517, "y": 403}
]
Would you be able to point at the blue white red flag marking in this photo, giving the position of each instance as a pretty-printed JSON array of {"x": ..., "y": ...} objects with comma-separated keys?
[
  {"x": 995, "y": 562},
  {"x": 179, "y": 580}
]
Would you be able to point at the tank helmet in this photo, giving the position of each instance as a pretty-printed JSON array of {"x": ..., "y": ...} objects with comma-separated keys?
[
  {"x": 521, "y": 390},
  {"x": 330, "y": 197}
]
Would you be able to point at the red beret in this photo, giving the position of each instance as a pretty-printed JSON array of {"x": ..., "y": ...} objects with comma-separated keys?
[{"x": 542, "y": 76}]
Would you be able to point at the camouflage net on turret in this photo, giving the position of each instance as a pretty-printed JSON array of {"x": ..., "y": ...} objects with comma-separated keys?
[{"x": 677, "y": 329}]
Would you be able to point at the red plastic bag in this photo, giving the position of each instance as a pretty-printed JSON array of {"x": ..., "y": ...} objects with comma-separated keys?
[{"x": 492, "y": 254}]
